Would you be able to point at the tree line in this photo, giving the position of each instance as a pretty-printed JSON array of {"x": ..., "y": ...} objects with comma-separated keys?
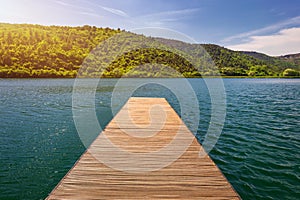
[{"x": 35, "y": 51}]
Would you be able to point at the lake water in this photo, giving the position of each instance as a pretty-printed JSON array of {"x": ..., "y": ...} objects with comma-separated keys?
[{"x": 258, "y": 150}]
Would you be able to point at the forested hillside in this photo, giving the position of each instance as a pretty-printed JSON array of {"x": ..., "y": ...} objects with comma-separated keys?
[
  {"x": 58, "y": 51},
  {"x": 288, "y": 61},
  {"x": 293, "y": 58},
  {"x": 46, "y": 51}
]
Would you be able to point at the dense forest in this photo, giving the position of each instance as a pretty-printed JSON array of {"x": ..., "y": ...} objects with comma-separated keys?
[{"x": 59, "y": 51}]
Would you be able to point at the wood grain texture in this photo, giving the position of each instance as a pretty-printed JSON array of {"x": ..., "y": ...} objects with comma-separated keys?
[{"x": 144, "y": 127}]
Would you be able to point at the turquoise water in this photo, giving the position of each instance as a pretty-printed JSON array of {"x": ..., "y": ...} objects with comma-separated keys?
[{"x": 258, "y": 150}]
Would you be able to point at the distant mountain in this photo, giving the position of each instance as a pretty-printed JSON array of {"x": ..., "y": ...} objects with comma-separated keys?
[
  {"x": 276, "y": 63},
  {"x": 35, "y": 51},
  {"x": 293, "y": 58},
  {"x": 287, "y": 61},
  {"x": 259, "y": 56},
  {"x": 238, "y": 63}
]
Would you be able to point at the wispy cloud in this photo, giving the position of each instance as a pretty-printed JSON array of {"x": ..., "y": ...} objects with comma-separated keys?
[
  {"x": 72, "y": 6},
  {"x": 168, "y": 16},
  {"x": 63, "y": 3},
  {"x": 285, "y": 41},
  {"x": 172, "y": 13},
  {"x": 89, "y": 14},
  {"x": 108, "y": 9},
  {"x": 166, "y": 19},
  {"x": 162, "y": 19},
  {"x": 76, "y": 8},
  {"x": 274, "y": 27},
  {"x": 115, "y": 11}
]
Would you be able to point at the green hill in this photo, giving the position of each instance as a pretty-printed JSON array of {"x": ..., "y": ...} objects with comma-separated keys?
[
  {"x": 58, "y": 51},
  {"x": 293, "y": 58},
  {"x": 282, "y": 62},
  {"x": 46, "y": 51},
  {"x": 247, "y": 63}
]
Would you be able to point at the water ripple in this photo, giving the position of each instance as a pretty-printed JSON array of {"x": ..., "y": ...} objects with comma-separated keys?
[{"x": 258, "y": 150}]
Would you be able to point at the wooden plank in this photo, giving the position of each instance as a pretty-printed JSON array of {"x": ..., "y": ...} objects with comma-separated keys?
[{"x": 144, "y": 126}]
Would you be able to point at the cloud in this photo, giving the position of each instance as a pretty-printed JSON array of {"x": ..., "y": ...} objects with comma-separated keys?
[
  {"x": 286, "y": 41},
  {"x": 171, "y": 15},
  {"x": 63, "y": 3},
  {"x": 274, "y": 27},
  {"x": 72, "y": 6},
  {"x": 108, "y": 9},
  {"x": 161, "y": 19},
  {"x": 115, "y": 11},
  {"x": 172, "y": 12},
  {"x": 91, "y": 14}
]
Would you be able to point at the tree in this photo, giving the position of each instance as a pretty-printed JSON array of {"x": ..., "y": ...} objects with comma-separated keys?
[
  {"x": 290, "y": 72},
  {"x": 259, "y": 70}
]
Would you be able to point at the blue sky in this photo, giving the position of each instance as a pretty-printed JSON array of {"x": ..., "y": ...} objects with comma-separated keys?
[{"x": 268, "y": 26}]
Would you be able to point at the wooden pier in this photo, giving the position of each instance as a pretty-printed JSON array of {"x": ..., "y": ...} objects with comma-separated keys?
[{"x": 143, "y": 130}]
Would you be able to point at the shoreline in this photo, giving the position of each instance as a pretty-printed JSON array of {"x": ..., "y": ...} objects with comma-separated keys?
[{"x": 204, "y": 77}]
